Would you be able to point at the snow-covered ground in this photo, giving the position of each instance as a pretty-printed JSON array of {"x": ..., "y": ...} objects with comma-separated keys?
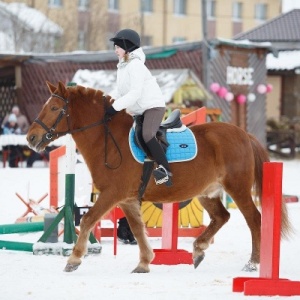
[{"x": 27, "y": 276}]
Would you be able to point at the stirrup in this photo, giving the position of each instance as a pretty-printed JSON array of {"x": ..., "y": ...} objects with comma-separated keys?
[{"x": 161, "y": 175}]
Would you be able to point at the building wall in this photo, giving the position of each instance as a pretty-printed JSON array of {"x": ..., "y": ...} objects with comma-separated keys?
[
  {"x": 251, "y": 116},
  {"x": 162, "y": 26},
  {"x": 274, "y": 98},
  {"x": 291, "y": 105}
]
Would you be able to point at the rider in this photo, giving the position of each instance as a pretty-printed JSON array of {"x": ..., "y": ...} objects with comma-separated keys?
[{"x": 139, "y": 93}]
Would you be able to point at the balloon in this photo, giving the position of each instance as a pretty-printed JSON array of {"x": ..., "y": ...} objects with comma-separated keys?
[
  {"x": 214, "y": 87},
  {"x": 222, "y": 92},
  {"x": 229, "y": 96},
  {"x": 269, "y": 88},
  {"x": 251, "y": 97},
  {"x": 261, "y": 88},
  {"x": 241, "y": 99}
]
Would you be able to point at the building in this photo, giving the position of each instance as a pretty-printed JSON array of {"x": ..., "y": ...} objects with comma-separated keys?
[
  {"x": 283, "y": 67},
  {"x": 88, "y": 24},
  {"x": 164, "y": 62},
  {"x": 25, "y": 29}
]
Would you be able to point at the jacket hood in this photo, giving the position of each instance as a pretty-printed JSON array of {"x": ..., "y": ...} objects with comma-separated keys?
[{"x": 136, "y": 54}]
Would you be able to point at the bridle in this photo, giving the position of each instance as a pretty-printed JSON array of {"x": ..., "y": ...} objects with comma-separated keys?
[{"x": 52, "y": 134}]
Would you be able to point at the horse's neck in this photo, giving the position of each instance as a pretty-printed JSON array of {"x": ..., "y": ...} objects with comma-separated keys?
[{"x": 96, "y": 144}]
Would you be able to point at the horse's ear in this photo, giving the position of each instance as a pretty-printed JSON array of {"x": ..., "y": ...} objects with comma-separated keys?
[
  {"x": 61, "y": 87},
  {"x": 51, "y": 87}
]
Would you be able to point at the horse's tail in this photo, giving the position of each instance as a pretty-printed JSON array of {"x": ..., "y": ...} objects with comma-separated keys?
[{"x": 261, "y": 156}]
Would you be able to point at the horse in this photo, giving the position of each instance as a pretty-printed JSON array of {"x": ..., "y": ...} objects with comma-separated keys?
[{"x": 228, "y": 159}]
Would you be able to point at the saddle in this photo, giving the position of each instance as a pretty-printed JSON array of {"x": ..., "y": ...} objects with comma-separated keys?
[
  {"x": 172, "y": 122},
  {"x": 177, "y": 140}
]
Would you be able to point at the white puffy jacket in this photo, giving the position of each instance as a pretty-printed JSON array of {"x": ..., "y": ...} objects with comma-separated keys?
[{"x": 137, "y": 89}]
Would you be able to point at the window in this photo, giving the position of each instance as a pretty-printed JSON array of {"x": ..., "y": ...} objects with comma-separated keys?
[
  {"x": 237, "y": 9},
  {"x": 81, "y": 40},
  {"x": 147, "y": 40},
  {"x": 113, "y": 4},
  {"x": 211, "y": 9},
  {"x": 147, "y": 5},
  {"x": 178, "y": 39},
  {"x": 54, "y": 2},
  {"x": 261, "y": 11},
  {"x": 83, "y": 4},
  {"x": 180, "y": 7}
]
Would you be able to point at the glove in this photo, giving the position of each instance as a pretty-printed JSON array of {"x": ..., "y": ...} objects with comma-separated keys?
[{"x": 109, "y": 113}]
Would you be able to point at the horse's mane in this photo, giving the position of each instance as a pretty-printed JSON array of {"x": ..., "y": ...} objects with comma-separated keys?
[{"x": 88, "y": 93}]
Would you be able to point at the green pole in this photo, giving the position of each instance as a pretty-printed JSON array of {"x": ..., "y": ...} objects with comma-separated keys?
[
  {"x": 69, "y": 226},
  {"x": 67, "y": 213},
  {"x": 21, "y": 227},
  {"x": 19, "y": 246}
]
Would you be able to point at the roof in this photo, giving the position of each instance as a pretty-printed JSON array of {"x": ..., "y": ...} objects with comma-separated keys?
[
  {"x": 152, "y": 53},
  {"x": 284, "y": 28},
  {"x": 286, "y": 60},
  {"x": 241, "y": 43},
  {"x": 30, "y": 18},
  {"x": 8, "y": 59},
  {"x": 168, "y": 80}
]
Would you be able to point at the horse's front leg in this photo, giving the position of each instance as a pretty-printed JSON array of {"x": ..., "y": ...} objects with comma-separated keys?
[
  {"x": 88, "y": 221},
  {"x": 133, "y": 214}
]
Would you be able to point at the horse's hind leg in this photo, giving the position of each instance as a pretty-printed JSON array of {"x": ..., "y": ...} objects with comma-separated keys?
[
  {"x": 218, "y": 217},
  {"x": 244, "y": 202},
  {"x": 132, "y": 212}
]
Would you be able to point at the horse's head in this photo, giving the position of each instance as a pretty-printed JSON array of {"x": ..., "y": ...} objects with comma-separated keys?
[{"x": 59, "y": 116}]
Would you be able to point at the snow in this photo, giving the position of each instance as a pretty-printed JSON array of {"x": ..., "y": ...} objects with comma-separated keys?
[
  {"x": 103, "y": 276},
  {"x": 286, "y": 60},
  {"x": 31, "y": 18},
  {"x": 288, "y": 5},
  {"x": 169, "y": 81}
]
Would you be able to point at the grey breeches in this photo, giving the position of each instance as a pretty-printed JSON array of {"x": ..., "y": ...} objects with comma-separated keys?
[{"x": 152, "y": 120}]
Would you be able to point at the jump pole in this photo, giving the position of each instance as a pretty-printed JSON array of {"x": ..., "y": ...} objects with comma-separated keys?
[
  {"x": 19, "y": 228},
  {"x": 67, "y": 211},
  {"x": 268, "y": 283},
  {"x": 170, "y": 254}
]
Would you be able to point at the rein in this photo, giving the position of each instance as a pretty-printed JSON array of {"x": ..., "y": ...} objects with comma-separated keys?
[{"x": 51, "y": 133}]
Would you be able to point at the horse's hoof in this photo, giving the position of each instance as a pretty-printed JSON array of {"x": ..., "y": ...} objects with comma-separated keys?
[
  {"x": 197, "y": 260},
  {"x": 250, "y": 267},
  {"x": 140, "y": 270},
  {"x": 71, "y": 267}
]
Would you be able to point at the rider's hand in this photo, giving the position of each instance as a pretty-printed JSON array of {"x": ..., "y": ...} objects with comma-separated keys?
[{"x": 109, "y": 113}]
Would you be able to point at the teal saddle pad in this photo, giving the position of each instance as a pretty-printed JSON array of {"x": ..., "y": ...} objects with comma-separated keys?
[{"x": 183, "y": 146}]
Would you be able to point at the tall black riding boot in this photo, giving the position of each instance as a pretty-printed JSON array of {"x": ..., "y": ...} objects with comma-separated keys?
[{"x": 162, "y": 173}]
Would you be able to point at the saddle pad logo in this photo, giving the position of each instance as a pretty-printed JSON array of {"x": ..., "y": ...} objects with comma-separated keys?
[{"x": 183, "y": 146}]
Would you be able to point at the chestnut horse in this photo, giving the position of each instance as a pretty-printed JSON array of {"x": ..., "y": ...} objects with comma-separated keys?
[{"x": 228, "y": 159}]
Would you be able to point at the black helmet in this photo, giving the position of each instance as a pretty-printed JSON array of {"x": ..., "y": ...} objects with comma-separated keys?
[{"x": 127, "y": 35}]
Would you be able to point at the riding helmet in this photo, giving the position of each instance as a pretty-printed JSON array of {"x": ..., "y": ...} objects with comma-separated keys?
[{"x": 127, "y": 39}]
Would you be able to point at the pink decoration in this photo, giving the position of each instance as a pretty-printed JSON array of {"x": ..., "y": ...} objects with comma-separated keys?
[
  {"x": 241, "y": 99},
  {"x": 229, "y": 97},
  {"x": 261, "y": 88},
  {"x": 251, "y": 97},
  {"x": 222, "y": 92},
  {"x": 214, "y": 87},
  {"x": 269, "y": 88}
]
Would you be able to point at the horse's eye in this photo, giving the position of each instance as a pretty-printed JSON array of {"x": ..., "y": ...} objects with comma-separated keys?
[{"x": 54, "y": 108}]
